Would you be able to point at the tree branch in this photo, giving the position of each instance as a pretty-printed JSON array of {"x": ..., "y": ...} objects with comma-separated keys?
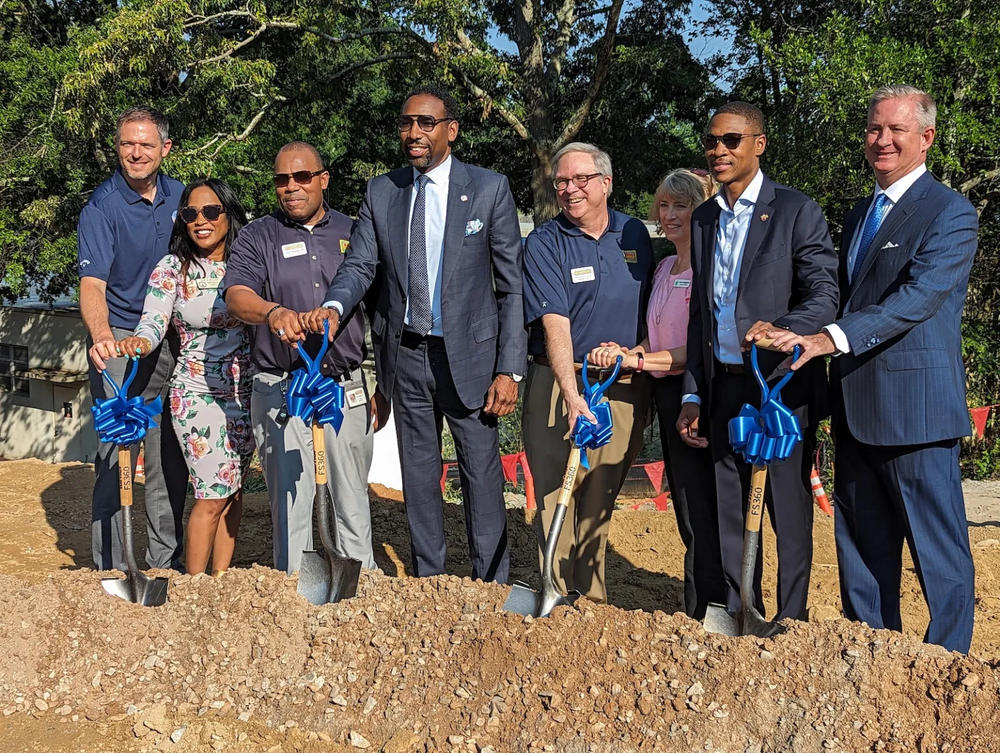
[{"x": 976, "y": 181}]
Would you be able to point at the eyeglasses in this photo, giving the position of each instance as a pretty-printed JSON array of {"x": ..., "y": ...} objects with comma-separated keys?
[
  {"x": 426, "y": 122},
  {"x": 210, "y": 212},
  {"x": 302, "y": 177},
  {"x": 729, "y": 140},
  {"x": 561, "y": 184}
]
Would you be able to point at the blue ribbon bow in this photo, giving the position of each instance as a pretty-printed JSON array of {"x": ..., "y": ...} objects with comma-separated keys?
[
  {"x": 312, "y": 395},
  {"x": 770, "y": 433},
  {"x": 124, "y": 420},
  {"x": 588, "y": 436}
]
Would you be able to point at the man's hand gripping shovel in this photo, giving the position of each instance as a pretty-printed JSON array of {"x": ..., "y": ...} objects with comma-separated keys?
[{"x": 585, "y": 436}]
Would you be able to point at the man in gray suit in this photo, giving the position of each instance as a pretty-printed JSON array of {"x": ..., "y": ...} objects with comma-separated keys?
[
  {"x": 448, "y": 324},
  {"x": 898, "y": 380}
]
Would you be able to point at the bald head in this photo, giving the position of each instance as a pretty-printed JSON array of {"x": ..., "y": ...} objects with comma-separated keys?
[{"x": 316, "y": 162}]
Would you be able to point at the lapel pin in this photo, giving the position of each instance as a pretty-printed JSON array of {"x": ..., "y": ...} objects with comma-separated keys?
[
  {"x": 463, "y": 197},
  {"x": 763, "y": 217}
]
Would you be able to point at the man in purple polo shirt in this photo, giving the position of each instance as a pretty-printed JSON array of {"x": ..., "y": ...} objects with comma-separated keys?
[
  {"x": 282, "y": 264},
  {"x": 124, "y": 231}
]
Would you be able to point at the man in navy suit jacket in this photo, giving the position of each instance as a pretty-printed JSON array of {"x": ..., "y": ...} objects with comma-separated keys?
[
  {"x": 762, "y": 258},
  {"x": 898, "y": 380},
  {"x": 448, "y": 324}
]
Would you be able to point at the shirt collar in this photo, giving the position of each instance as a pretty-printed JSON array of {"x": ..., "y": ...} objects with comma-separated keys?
[
  {"x": 439, "y": 175},
  {"x": 130, "y": 195},
  {"x": 896, "y": 190},
  {"x": 615, "y": 223},
  {"x": 747, "y": 199}
]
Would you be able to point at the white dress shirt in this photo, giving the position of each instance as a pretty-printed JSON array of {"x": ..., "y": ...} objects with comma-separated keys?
[{"x": 894, "y": 193}]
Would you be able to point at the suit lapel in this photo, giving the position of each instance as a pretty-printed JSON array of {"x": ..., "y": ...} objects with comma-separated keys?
[
  {"x": 757, "y": 230},
  {"x": 709, "y": 225},
  {"x": 460, "y": 200},
  {"x": 398, "y": 225},
  {"x": 897, "y": 218}
]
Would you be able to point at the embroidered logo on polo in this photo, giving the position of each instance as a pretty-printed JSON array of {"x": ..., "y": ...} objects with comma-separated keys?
[
  {"x": 631, "y": 255},
  {"x": 344, "y": 245}
]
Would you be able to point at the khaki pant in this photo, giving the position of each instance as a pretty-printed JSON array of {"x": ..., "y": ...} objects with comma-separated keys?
[{"x": 580, "y": 549}]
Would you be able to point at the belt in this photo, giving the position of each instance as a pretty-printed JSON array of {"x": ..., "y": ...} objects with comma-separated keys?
[
  {"x": 625, "y": 377},
  {"x": 412, "y": 339},
  {"x": 339, "y": 378},
  {"x": 736, "y": 369}
]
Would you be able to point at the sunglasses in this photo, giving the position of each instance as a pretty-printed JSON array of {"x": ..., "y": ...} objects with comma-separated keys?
[
  {"x": 729, "y": 140},
  {"x": 302, "y": 177},
  {"x": 425, "y": 122},
  {"x": 210, "y": 212}
]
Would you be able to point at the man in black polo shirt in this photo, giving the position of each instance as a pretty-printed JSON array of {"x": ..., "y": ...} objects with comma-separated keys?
[{"x": 281, "y": 264}]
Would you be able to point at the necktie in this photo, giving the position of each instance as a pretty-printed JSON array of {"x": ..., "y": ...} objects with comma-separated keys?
[
  {"x": 419, "y": 288},
  {"x": 871, "y": 227}
]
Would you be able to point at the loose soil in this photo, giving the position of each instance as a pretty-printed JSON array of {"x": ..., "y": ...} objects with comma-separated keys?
[{"x": 242, "y": 663}]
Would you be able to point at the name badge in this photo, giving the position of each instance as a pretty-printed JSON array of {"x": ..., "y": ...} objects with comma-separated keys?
[
  {"x": 631, "y": 256},
  {"x": 682, "y": 283},
  {"x": 209, "y": 283},
  {"x": 290, "y": 250},
  {"x": 582, "y": 274},
  {"x": 354, "y": 395}
]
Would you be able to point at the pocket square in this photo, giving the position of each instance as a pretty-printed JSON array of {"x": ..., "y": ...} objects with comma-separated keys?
[
  {"x": 473, "y": 226},
  {"x": 890, "y": 244}
]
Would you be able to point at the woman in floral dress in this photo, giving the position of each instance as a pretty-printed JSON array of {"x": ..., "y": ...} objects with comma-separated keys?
[{"x": 210, "y": 386}]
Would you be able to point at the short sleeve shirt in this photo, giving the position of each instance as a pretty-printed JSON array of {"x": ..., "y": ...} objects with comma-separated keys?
[
  {"x": 601, "y": 285},
  {"x": 121, "y": 237},
  {"x": 293, "y": 265}
]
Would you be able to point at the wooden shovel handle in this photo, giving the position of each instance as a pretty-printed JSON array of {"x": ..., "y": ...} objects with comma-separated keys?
[
  {"x": 319, "y": 453},
  {"x": 755, "y": 505},
  {"x": 125, "y": 476},
  {"x": 569, "y": 478}
]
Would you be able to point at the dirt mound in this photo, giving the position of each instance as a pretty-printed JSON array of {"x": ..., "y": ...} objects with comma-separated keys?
[{"x": 243, "y": 663}]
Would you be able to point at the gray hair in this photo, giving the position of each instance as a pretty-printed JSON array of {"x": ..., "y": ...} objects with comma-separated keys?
[
  {"x": 682, "y": 184},
  {"x": 926, "y": 108},
  {"x": 146, "y": 114},
  {"x": 601, "y": 159}
]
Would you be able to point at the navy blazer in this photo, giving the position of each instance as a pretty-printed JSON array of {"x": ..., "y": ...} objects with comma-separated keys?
[
  {"x": 788, "y": 276},
  {"x": 482, "y": 312},
  {"x": 903, "y": 382}
]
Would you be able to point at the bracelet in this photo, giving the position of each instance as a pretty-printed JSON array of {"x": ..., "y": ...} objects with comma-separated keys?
[
  {"x": 641, "y": 363},
  {"x": 267, "y": 316}
]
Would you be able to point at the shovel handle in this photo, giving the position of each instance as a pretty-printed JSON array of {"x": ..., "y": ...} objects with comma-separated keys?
[
  {"x": 569, "y": 478},
  {"x": 755, "y": 504},
  {"x": 125, "y": 476},
  {"x": 319, "y": 453}
]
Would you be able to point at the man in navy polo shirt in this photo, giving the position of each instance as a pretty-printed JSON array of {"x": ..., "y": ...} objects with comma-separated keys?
[
  {"x": 124, "y": 231},
  {"x": 586, "y": 281},
  {"x": 282, "y": 264}
]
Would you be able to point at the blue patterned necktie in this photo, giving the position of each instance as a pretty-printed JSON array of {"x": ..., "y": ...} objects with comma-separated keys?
[
  {"x": 419, "y": 293},
  {"x": 872, "y": 224}
]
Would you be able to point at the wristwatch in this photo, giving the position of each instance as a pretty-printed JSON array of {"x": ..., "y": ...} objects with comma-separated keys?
[{"x": 512, "y": 375}]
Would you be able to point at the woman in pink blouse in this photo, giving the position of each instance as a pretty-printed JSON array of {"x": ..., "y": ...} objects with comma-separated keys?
[{"x": 663, "y": 354}]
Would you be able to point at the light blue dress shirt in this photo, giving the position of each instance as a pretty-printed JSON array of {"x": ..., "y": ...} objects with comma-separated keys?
[
  {"x": 436, "y": 209},
  {"x": 730, "y": 239}
]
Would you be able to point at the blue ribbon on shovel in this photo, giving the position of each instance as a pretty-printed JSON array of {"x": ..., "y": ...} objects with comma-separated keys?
[
  {"x": 124, "y": 420},
  {"x": 312, "y": 395},
  {"x": 586, "y": 435},
  {"x": 770, "y": 433}
]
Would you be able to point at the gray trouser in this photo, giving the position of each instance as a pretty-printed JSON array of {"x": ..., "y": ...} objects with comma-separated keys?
[
  {"x": 166, "y": 472},
  {"x": 287, "y": 459}
]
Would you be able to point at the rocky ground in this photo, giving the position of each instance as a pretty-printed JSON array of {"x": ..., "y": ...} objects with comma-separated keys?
[{"x": 242, "y": 663}]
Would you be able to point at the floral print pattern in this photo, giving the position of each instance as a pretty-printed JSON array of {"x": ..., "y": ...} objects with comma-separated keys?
[{"x": 210, "y": 386}]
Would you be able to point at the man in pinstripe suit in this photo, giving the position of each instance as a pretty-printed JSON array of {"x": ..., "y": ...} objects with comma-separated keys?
[{"x": 898, "y": 382}]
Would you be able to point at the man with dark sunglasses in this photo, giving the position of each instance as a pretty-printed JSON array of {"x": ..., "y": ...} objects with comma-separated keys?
[
  {"x": 124, "y": 230},
  {"x": 448, "y": 326},
  {"x": 762, "y": 258},
  {"x": 282, "y": 264}
]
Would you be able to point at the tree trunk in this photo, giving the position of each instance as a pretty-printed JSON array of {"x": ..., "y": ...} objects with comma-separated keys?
[{"x": 543, "y": 196}]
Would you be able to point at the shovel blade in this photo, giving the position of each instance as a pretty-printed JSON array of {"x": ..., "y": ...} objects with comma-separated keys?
[
  {"x": 149, "y": 592},
  {"x": 719, "y": 621},
  {"x": 753, "y": 623},
  {"x": 327, "y": 581},
  {"x": 530, "y": 603}
]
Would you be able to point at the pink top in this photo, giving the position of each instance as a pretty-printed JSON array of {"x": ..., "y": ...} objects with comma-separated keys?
[{"x": 667, "y": 315}]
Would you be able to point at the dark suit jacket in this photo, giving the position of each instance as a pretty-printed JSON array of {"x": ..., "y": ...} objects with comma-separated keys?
[
  {"x": 482, "y": 311},
  {"x": 788, "y": 276},
  {"x": 903, "y": 382}
]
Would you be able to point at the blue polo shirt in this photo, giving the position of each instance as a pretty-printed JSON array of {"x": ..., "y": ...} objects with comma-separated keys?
[
  {"x": 601, "y": 285},
  {"x": 121, "y": 237}
]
